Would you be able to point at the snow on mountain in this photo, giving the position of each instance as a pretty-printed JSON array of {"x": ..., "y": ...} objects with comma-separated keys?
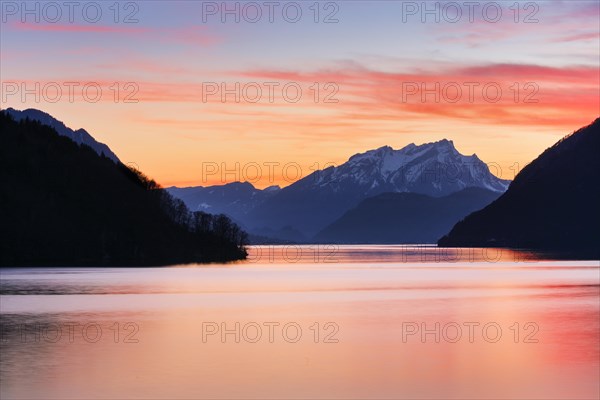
[
  {"x": 435, "y": 169},
  {"x": 308, "y": 205},
  {"x": 80, "y": 136}
]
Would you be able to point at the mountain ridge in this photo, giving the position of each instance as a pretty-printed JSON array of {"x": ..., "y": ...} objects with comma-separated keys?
[
  {"x": 63, "y": 204},
  {"x": 79, "y": 136},
  {"x": 551, "y": 205},
  {"x": 308, "y": 205},
  {"x": 404, "y": 218},
  {"x": 402, "y": 169}
]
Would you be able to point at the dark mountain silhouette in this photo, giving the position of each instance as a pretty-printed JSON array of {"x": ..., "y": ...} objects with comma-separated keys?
[
  {"x": 404, "y": 217},
  {"x": 553, "y": 203},
  {"x": 79, "y": 136},
  {"x": 63, "y": 204}
]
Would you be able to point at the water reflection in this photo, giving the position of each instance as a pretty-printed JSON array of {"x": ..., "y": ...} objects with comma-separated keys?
[
  {"x": 332, "y": 253},
  {"x": 370, "y": 325}
]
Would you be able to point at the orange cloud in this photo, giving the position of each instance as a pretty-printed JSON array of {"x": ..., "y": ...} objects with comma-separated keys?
[
  {"x": 512, "y": 94},
  {"x": 506, "y": 94}
]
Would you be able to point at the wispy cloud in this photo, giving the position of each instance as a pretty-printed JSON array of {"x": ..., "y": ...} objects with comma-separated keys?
[
  {"x": 576, "y": 37},
  {"x": 535, "y": 22},
  {"x": 545, "y": 95}
]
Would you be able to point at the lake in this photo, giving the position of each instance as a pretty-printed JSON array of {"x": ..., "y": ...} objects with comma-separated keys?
[{"x": 307, "y": 322}]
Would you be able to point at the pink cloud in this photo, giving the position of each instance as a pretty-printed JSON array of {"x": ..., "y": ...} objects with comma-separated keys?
[
  {"x": 558, "y": 96},
  {"x": 195, "y": 35},
  {"x": 579, "y": 37},
  {"x": 566, "y": 96},
  {"x": 537, "y": 73},
  {"x": 541, "y": 22}
]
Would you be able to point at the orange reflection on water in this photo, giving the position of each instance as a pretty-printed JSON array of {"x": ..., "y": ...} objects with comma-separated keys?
[{"x": 361, "y": 347}]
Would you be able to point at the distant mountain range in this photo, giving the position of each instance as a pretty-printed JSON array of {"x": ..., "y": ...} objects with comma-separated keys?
[
  {"x": 407, "y": 218},
  {"x": 54, "y": 189},
  {"x": 301, "y": 210},
  {"x": 80, "y": 136},
  {"x": 553, "y": 203},
  {"x": 235, "y": 199}
]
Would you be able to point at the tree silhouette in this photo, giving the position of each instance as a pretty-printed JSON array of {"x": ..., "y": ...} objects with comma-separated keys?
[{"x": 63, "y": 204}]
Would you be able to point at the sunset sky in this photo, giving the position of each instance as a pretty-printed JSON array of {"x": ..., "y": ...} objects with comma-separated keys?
[{"x": 369, "y": 67}]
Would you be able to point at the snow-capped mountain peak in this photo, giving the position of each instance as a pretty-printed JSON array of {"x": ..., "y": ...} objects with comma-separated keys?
[
  {"x": 308, "y": 205},
  {"x": 435, "y": 169}
]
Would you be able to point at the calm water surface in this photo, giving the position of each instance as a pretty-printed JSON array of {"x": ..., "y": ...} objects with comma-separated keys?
[{"x": 307, "y": 322}]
